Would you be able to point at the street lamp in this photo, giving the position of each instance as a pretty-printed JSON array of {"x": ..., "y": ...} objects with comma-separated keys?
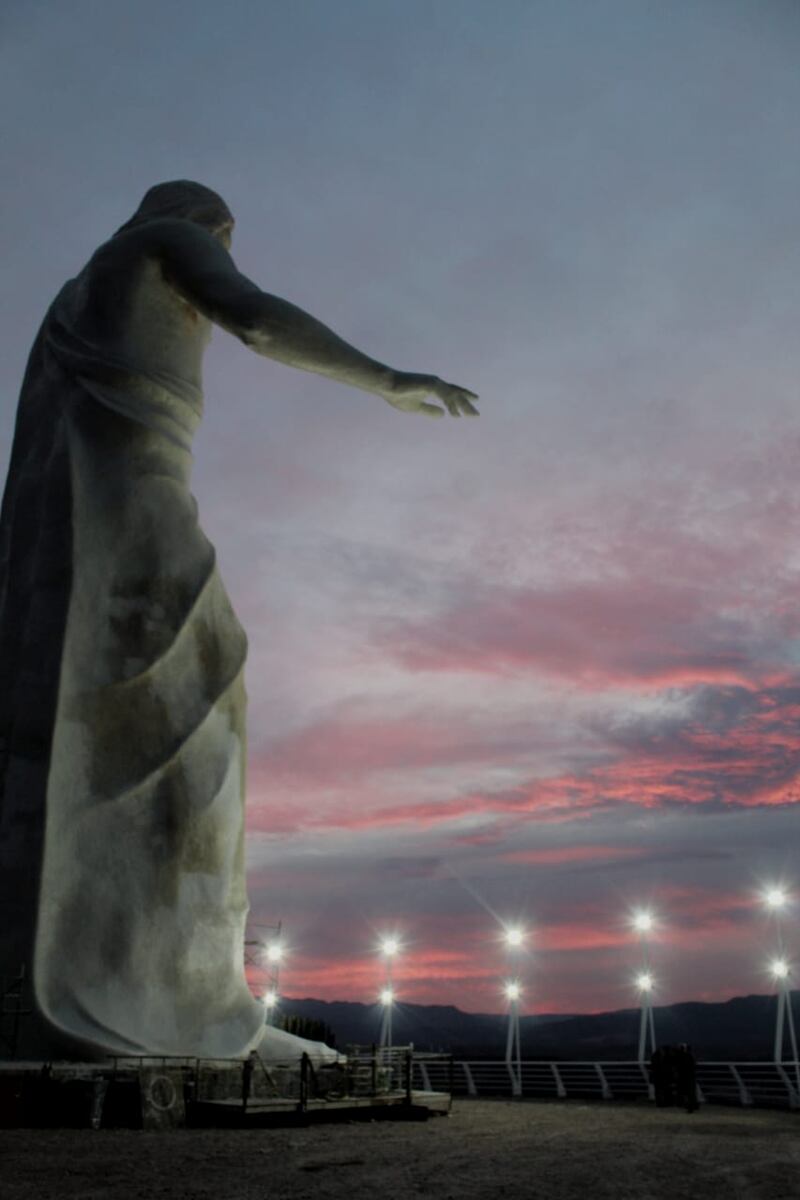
[
  {"x": 647, "y": 1034},
  {"x": 643, "y": 922},
  {"x": 387, "y": 1000},
  {"x": 784, "y": 1018},
  {"x": 273, "y": 953},
  {"x": 389, "y": 948},
  {"x": 776, "y": 899},
  {"x": 513, "y": 993},
  {"x": 514, "y": 938}
]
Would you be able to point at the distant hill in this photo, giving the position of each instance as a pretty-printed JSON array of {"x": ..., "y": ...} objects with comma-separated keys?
[{"x": 742, "y": 1028}]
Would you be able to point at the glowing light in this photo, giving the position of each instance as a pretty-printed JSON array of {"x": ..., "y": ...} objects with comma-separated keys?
[
  {"x": 270, "y": 998},
  {"x": 514, "y": 937},
  {"x": 645, "y": 981},
  {"x": 776, "y": 898},
  {"x": 513, "y": 991},
  {"x": 390, "y": 946},
  {"x": 387, "y": 997},
  {"x": 779, "y": 968},
  {"x": 643, "y": 921},
  {"x": 274, "y": 952}
]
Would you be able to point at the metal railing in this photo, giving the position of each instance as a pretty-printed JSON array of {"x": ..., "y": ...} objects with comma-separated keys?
[
  {"x": 765, "y": 1084},
  {"x": 366, "y": 1072},
  {"x": 376, "y": 1069}
]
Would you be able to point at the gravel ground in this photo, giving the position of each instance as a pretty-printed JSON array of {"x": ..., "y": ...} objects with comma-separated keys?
[{"x": 484, "y": 1149}]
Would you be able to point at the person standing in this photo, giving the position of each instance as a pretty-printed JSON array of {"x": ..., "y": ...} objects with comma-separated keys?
[{"x": 686, "y": 1077}]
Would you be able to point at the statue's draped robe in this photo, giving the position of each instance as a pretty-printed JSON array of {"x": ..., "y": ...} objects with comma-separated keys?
[{"x": 122, "y": 727}]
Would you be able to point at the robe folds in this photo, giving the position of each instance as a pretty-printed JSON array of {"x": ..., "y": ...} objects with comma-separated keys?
[{"x": 122, "y": 702}]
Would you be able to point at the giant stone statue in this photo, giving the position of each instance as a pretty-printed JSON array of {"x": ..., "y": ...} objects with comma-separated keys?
[{"x": 122, "y": 705}]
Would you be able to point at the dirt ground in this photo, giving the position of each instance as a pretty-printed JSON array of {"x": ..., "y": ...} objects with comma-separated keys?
[{"x": 486, "y": 1149}]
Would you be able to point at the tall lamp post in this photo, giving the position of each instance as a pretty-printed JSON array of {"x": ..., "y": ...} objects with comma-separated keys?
[
  {"x": 389, "y": 949},
  {"x": 387, "y": 1000},
  {"x": 270, "y": 1003},
  {"x": 784, "y": 1018},
  {"x": 647, "y": 1034},
  {"x": 513, "y": 1050},
  {"x": 273, "y": 955},
  {"x": 643, "y": 923},
  {"x": 514, "y": 938},
  {"x": 776, "y": 900}
]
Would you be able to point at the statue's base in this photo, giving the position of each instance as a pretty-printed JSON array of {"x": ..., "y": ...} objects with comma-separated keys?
[{"x": 159, "y": 1093}]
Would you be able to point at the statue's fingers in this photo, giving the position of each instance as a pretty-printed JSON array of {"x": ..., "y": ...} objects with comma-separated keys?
[
  {"x": 468, "y": 408},
  {"x": 451, "y": 404},
  {"x": 464, "y": 391},
  {"x": 431, "y": 410}
]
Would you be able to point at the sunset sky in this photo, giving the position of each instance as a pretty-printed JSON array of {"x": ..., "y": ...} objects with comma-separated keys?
[{"x": 543, "y": 666}]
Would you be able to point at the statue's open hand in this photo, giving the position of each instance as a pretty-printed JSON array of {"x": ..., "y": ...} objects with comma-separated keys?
[{"x": 409, "y": 391}]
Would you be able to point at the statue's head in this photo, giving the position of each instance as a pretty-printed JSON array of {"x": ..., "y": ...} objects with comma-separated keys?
[{"x": 188, "y": 201}]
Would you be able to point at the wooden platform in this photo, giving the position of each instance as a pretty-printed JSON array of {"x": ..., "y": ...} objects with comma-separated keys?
[
  {"x": 164, "y": 1093},
  {"x": 387, "y": 1105}
]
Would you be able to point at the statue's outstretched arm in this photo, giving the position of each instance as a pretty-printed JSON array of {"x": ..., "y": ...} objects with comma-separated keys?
[{"x": 203, "y": 271}]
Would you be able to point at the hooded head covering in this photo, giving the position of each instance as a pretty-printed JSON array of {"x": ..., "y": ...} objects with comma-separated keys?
[{"x": 183, "y": 199}]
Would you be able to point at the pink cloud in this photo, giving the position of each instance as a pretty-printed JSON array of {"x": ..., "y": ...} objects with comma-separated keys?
[
  {"x": 419, "y": 976},
  {"x": 735, "y": 748},
  {"x": 345, "y": 745},
  {"x": 560, "y": 855},
  {"x": 622, "y": 633}
]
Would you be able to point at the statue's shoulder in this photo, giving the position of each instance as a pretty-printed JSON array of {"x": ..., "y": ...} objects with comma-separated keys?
[
  {"x": 167, "y": 240},
  {"x": 161, "y": 233}
]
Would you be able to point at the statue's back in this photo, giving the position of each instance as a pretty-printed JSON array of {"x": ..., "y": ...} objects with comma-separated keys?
[{"x": 121, "y": 827}]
